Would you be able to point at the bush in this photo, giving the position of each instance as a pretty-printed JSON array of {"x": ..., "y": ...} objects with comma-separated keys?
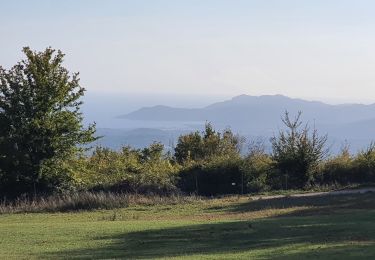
[
  {"x": 208, "y": 144},
  {"x": 364, "y": 165},
  {"x": 210, "y": 162},
  {"x": 218, "y": 175},
  {"x": 257, "y": 171},
  {"x": 130, "y": 170},
  {"x": 297, "y": 152},
  {"x": 221, "y": 175},
  {"x": 338, "y": 169},
  {"x": 346, "y": 169}
]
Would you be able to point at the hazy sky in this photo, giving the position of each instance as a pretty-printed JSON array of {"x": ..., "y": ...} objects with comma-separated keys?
[{"x": 311, "y": 49}]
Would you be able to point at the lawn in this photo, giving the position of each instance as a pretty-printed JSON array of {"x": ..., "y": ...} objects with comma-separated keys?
[{"x": 333, "y": 227}]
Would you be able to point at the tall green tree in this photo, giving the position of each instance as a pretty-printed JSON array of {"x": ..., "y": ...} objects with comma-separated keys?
[{"x": 40, "y": 120}]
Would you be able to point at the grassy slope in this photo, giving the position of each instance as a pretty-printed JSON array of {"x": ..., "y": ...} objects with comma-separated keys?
[{"x": 337, "y": 227}]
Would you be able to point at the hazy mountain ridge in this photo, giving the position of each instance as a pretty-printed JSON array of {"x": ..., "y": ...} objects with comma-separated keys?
[
  {"x": 254, "y": 114},
  {"x": 164, "y": 113},
  {"x": 249, "y": 116}
]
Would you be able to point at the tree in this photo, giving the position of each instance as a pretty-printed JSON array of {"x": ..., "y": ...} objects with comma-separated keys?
[
  {"x": 189, "y": 147},
  {"x": 297, "y": 152},
  {"x": 153, "y": 152},
  {"x": 40, "y": 120},
  {"x": 200, "y": 146}
]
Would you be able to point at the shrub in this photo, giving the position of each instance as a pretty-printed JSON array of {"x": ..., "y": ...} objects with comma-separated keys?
[
  {"x": 297, "y": 152},
  {"x": 218, "y": 175},
  {"x": 338, "y": 169},
  {"x": 129, "y": 170},
  {"x": 257, "y": 171},
  {"x": 202, "y": 146},
  {"x": 364, "y": 165}
]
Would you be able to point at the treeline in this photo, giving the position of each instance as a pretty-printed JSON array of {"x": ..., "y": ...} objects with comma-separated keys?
[
  {"x": 42, "y": 142},
  {"x": 211, "y": 163}
]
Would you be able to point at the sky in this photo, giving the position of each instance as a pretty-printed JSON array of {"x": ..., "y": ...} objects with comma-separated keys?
[{"x": 317, "y": 50}]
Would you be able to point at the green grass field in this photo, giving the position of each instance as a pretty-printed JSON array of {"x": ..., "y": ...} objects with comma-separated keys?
[{"x": 334, "y": 227}]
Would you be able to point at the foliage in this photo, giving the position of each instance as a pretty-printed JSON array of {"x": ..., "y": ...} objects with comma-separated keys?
[
  {"x": 219, "y": 175},
  {"x": 201, "y": 146},
  {"x": 42, "y": 138},
  {"x": 257, "y": 168},
  {"x": 364, "y": 165},
  {"x": 40, "y": 121},
  {"x": 150, "y": 170},
  {"x": 338, "y": 169},
  {"x": 297, "y": 151},
  {"x": 211, "y": 162},
  {"x": 129, "y": 170},
  {"x": 346, "y": 168}
]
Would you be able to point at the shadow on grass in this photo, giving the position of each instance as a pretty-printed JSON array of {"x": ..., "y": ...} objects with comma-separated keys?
[
  {"x": 346, "y": 235},
  {"x": 321, "y": 205},
  {"x": 338, "y": 252}
]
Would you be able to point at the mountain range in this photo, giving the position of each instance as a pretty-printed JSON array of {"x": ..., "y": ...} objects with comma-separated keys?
[{"x": 261, "y": 116}]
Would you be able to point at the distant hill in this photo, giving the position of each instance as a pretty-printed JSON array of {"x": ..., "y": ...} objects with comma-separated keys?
[
  {"x": 250, "y": 116},
  {"x": 261, "y": 115}
]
